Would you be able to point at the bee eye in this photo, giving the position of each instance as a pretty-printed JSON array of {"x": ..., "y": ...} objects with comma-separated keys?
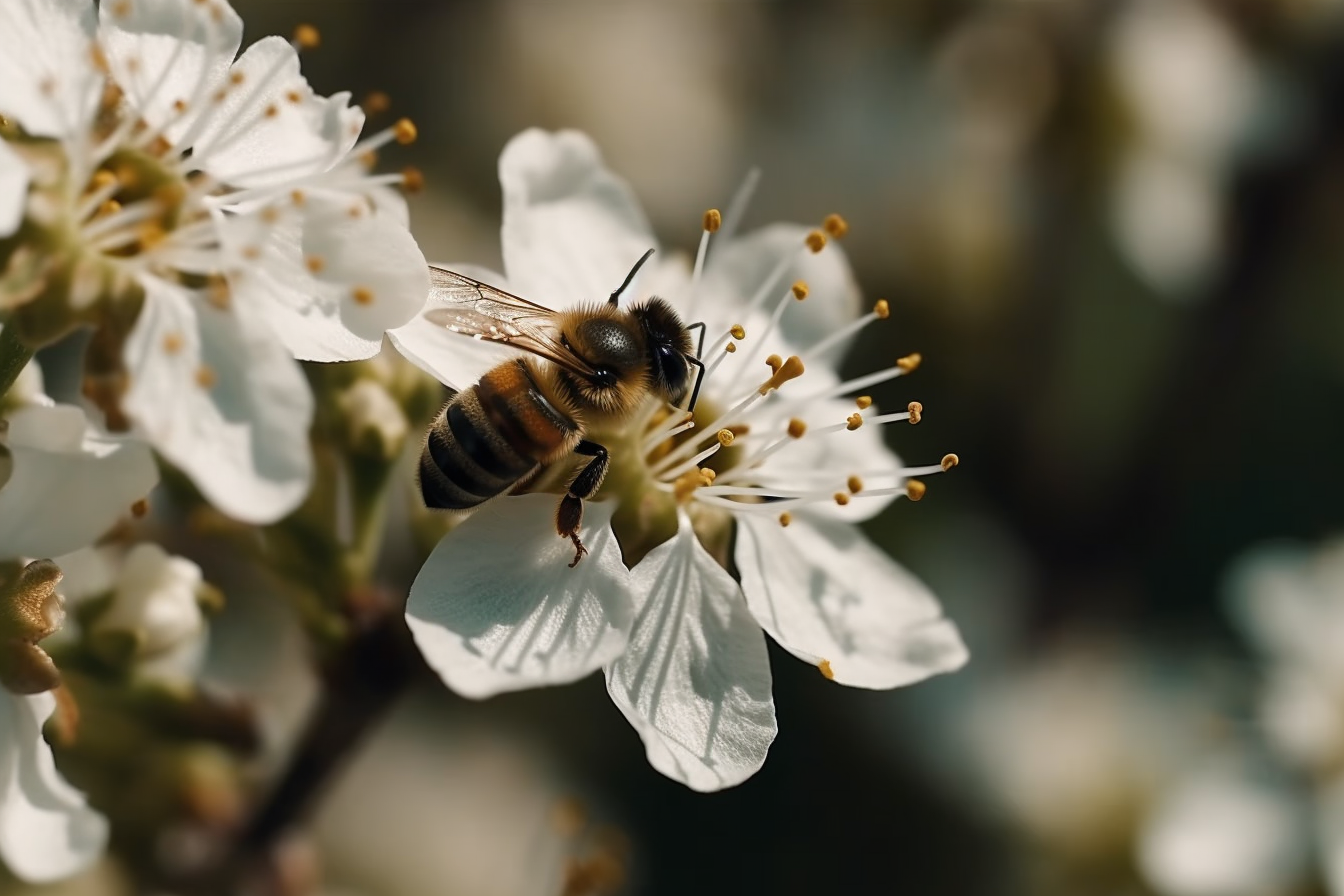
[
  {"x": 604, "y": 377},
  {"x": 671, "y": 369}
]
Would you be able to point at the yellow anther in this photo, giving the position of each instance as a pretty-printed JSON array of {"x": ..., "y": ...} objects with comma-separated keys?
[
  {"x": 293, "y": 97},
  {"x": 882, "y": 309},
  {"x": 824, "y": 666},
  {"x": 109, "y": 207},
  {"x": 914, "y": 490},
  {"x": 205, "y": 377},
  {"x": 217, "y": 293},
  {"x": 909, "y": 362},
  {"x": 916, "y": 410},
  {"x": 785, "y": 518},
  {"x": 121, "y": 9},
  {"x": 376, "y": 102},
  {"x": 236, "y": 77},
  {"x": 836, "y": 226},
  {"x": 797, "y": 428},
  {"x": 270, "y": 214},
  {"x": 140, "y": 508},
  {"x": 412, "y": 180},
  {"x": 172, "y": 343},
  {"x": 950, "y": 461},
  {"x": 864, "y": 402},
  {"x": 272, "y": 110},
  {"x": 730, "y": 348},
  {"x": 405, "y": 131},
  {"x": 725, "y": 437},
  {"x": 707, "y": 475},
  {"x": 799, "y": 289},
  {"x": 854, "y": 484},
  {"x": 179, "y": 105},
  {"x": 362, "y": 295},
  {"x": 152, "y": 234},
  {"x": 816, "y": 241},
  {"x": 298, "y": 197},
  {"x": 368, "y": 159},
  {"x": 307, "y": 37},
  {"x": 853, "y": 422},
  {"x": 775, "y": 362},
  {"x": 686, "y": 484},
  {"x": 713, "y": 220},
  {"x": 738, "y": 331},
  {"x": 355, "y": 211},
  {"x": 314, "y": 264},
  {"x": 841, "y": 498},
  {"x": 251, "y": 253},
  {"x": 791, "y": 369},
  {"x": 102, "y": 179}
]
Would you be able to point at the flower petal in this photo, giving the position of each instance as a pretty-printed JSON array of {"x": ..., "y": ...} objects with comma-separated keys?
[
  {"x": 826, "y": 593},
  {"x": 695, "y": 679},
  {"x": 169, "y": 55},
  {"x": 572, "y": 229},
  {"x": 271, "y": 129},
  {"x": 47, "y": 79},
  {"x": 47, "y": 831},
  {"x": 495, "y": 609},
  {"x": 452, "y": 359},
  {"x": 69, "y": 483},
  {"x": 215, "y": 392},
  {"x": 13, "y": 190}
]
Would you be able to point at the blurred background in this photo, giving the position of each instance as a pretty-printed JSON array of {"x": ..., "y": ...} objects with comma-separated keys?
[{"x": 1113, "y": 230}]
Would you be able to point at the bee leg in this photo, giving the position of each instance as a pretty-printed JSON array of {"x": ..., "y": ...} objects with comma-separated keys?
[{"x": 569, "y": 515}]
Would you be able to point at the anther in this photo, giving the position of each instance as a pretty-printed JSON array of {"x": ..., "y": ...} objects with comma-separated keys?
[
  {"x": 102, "y": 179},
  {"x": 109, "y": 207},
  {"x": 797, "y": 428},
  {"x": 217, "y": 293},
  {"x": 121, "y": 9},
  {"x": 236, "y": 77},
  {"x": 725, "y": 437},
  {"x": 841, "y": 498},
  {"x": 707, "y": 475},
  {"x": 775, "y": 362},
  {"x": 854, "y": 484},
  {"x": 376, "y": 102},
  {"x": 853, "y": 422},
  {"x": 882, "y": 309},
  {"x": 251, "y": 253},
  {"x": 836, "y": 226},
  {"x": 140, "y": 508},
  {"x": 272, "y": 110},
  {"x": 270, "y": 214},
  {"x": 730, "y": 347},
  {"x": 915, "y": 409},
  {"x": 909, "y": 362},
  {"x": 412, "y": 180},
  {"x": 815, "y": 241},
  {"x": 307, "y": 37},
  {"x": 785, "y": 518},
  {"x": 205, "y": 377},
  {"x": 950, "y": 461},
  {"x": 799, "y": 289},
  {"x": 314, "y": 264},
  {"x": 151, "y": 234},
  {"x": 405, "y": 131},
  {"x": 297, "y": 197},
  {"x": 824, "y": 667},
  {"x": 362, "y": 295},
  {"x": 914, "y": 490},
  {"x": 864, "y": 402},
  {"x": 713, "y": 221},
  {"x": 172, "y": 343},
  {"x": 294, "y": 97},
  {"x": 791, "y": 369},
  {"x": 738, "y": 331},
  {"x": 686, "y": 485}
]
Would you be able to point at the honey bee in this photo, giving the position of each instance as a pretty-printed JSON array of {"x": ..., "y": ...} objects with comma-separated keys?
[{"x": 585, "y": 367}]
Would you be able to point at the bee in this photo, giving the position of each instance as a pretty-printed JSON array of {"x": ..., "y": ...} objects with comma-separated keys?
[{"x": 584, "y": 368}]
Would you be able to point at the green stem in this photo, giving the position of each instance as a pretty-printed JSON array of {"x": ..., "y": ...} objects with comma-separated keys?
[{"x": 14, "y": 356}]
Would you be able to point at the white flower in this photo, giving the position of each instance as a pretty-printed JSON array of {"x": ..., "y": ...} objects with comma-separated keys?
[
  {"x": 13, "y": 189},
  {"x": 179, "y": 165},
  {"x": 693, "y": 678}
]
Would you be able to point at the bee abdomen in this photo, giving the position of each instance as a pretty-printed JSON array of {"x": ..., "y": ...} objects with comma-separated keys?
[{"x": 467, "y": 460}]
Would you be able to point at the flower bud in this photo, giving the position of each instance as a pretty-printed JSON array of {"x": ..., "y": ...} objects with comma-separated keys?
[{"x": 375, "y": 424}]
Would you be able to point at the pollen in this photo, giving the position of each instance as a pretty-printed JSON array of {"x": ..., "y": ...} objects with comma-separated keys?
[
  {"x": 307, "y": 37},
  {"x": 294, "y": 97},
  {"x": 725, "y": 437},
  {"x": 841, "y": 498},
  {"x": 854, "y": 484},
  {"x": 864, "y": 402},
  {"x": 314, "y": 264},
  {"x": 816, "y": 241},
  {"x": 882, "y": 309},
  {"x": 140, "y": 508},
  {"x": 799, "y": 289},
  {"x": 686, "y": 485},
  {"x": 836, "y": 226},
  {"x": 272, "y": 110},
  {"x": 775, "y": 362},
  {"x": 405, "y": 131},
  {"x": 824, "y": 667},
  {"x": 785, "y": 518},
  {"x": 172, "y": 343},
  {"x": 949, "y": 461},
  {"x": 730, "y": 347},
  {"x": 910, "y": 362},
  {"x": 916, "y": 412},
  {"x": 707, "y": 475},
  {"x": 179, "y": 105},
  {"x": 298, "y": 197},
  {"x": 362, "y": 295},
  {"x": 797, "y": 428},
  {"x": 236, "y": 77},
  {"x": 914, "y": 490},
  {"x": 738, "y": 331},
  {"x": 376, "y": 102},
  {"x": 853, "y": 421},
  {"x": 412, "y": 179},
  {"x": 791, "y": 369},
  {"x": 206, "y": 377},
  {"x": 713, "y": 221}
]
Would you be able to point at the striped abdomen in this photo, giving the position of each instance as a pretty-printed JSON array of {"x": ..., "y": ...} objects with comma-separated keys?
[{"x": 490, "y": 437}]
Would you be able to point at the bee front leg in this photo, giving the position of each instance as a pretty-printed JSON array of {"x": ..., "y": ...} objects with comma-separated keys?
[{"x": 569, "y": 515}]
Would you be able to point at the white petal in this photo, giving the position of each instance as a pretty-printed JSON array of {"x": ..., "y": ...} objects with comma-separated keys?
[
  {"x": 47, "y": 831},
  {"x": 13, "y": 189},
  {"x": 572, "y": 229},
  {"x": 69, "y": 483},
  {"x": 695, "y": 679},
  {"x": 271, "y": 129},
  {"x": 223, "y": 400},
  {"x": 454, "y": 360},
  {"x": 1228, "y": 830},
  {"x": 47, "y": 80},
  {"x": 495, "y": 608},
  {"x": 825, "y": 592},
  {"x": 167, "y": 52}
]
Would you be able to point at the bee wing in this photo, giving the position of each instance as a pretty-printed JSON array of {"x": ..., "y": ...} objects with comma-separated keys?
[{"x": 472, "y": 308}]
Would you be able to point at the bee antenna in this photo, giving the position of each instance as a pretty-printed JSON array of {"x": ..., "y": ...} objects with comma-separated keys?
[{"x": 616, "y": 296}]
